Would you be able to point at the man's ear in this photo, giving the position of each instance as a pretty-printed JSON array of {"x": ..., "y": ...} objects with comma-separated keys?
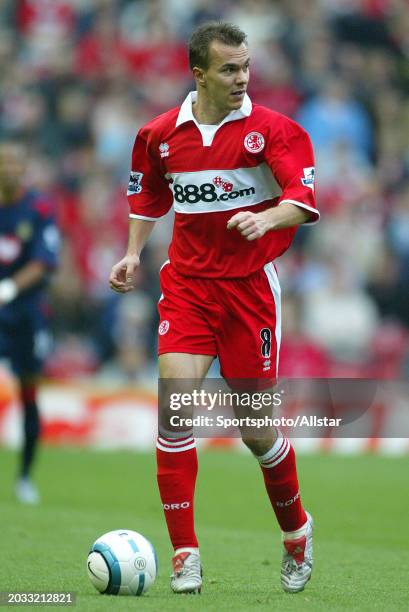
[{"x": 199, "y": 75}]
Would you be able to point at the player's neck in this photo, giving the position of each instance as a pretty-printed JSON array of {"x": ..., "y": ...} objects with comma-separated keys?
[{"x": 205, "y": 112}]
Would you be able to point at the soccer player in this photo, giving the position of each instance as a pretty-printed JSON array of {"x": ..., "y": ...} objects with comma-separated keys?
[
  {"x": 240, "y": 177},
  {"x": 29, "y": 243}
]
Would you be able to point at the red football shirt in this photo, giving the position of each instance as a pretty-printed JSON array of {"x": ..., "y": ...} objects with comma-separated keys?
[{"x": 253, "y": 160}]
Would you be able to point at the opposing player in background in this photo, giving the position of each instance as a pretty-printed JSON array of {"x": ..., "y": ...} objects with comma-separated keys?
[
  {"x": 29, "y": 242},
  {"x": 241, "y": 179}
]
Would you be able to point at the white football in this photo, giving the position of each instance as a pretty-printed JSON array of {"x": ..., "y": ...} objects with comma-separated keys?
[{"x": 122, "y": 562}]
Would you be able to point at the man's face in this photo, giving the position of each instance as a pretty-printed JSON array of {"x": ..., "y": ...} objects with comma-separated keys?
[
  {"x": 227, "y": 76},
  {"x": 12, "y": 166}
]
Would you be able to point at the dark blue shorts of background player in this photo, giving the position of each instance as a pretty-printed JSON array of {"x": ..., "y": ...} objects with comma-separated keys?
[{"x": 29, "y": 243}]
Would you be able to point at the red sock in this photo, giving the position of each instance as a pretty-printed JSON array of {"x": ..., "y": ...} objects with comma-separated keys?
[
  {"x": 280, "y": 477},
  {"x": 177, "y": 471}
]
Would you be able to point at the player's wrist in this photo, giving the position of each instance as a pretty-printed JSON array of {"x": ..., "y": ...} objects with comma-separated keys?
[
  {"x": 8, "y": 290},
  {"x": 133, "y": 255},
  {"x": 268, "y": 218}
]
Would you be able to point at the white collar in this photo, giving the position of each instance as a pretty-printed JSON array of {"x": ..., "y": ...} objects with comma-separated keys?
[{"x": 186, "y": 113}]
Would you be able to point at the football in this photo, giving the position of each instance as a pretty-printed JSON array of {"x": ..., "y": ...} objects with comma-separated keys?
[{"x": 122, "y": 562}]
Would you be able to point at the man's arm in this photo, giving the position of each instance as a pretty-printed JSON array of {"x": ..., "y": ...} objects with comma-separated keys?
[
  {"x": 122, "y": 273},
  {"x": 290, "y": 156},
  {"x": 43, "y": 253},
  {"x": 25, "y": 278},
  {"x": 255, "y": 225},
  {"x": 149, "y": 199}
]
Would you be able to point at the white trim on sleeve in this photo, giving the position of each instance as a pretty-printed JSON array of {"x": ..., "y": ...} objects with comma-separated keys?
[
  {"x": 302, "y": 205},
  {"x": 165, "y": 263}
]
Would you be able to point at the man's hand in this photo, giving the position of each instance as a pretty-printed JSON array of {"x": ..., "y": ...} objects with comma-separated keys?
[
  {"x": 122, "y": 274},
  {"x": 250, "y": 225},
  {"x": 254, "y": 225},
  {"x": 8, "y": 291}
]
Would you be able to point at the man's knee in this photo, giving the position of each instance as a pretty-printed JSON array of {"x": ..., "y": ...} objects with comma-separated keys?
[{"x": 260, "y": 446}]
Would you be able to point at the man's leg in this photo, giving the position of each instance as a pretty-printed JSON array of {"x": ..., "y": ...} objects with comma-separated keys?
[
  {"x": 31, "y": 426},
  {"x": 25, "y": 489},
  {"x": 248, "y": 345},
  {"x": 18, "y": 343},
  {"x": 177, "y": 471},
  {"x": 277, "y": 461}
]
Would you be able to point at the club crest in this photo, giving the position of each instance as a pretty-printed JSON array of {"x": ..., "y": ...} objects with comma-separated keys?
[{"x": 254, "y": 142}]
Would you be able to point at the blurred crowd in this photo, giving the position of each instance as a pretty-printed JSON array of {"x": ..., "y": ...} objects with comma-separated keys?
[{"x": 79, "y": 77}]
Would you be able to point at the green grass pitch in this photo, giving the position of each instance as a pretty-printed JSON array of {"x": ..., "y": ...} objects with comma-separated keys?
[{"x": 360, "y": 505}]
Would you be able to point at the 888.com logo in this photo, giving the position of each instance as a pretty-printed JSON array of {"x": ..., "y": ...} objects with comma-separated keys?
[{"x": 219, "y": 190}]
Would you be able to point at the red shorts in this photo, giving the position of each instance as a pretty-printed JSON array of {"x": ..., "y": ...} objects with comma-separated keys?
[{"x": 238, "y": 320}]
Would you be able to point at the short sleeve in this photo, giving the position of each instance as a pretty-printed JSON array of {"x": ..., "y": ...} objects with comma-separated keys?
[
  {"x": 290, "y": 156},
  {"x": 148, "y": 192}
]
